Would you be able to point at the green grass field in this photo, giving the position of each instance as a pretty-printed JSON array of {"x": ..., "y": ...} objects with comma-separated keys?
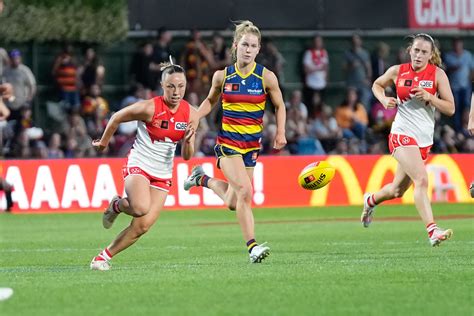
[{"x": 323, "y": 262}]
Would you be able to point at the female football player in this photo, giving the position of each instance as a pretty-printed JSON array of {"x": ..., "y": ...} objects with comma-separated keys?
[
  {"x": 422, "y": 88},
  {"x": 244, "y": 87},
  {"x": 162, "y": 122}
]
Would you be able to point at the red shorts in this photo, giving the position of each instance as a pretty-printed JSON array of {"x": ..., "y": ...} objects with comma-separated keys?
[
  {"x": 397, "y": 140},
  {"x": 161, "y": 184}
]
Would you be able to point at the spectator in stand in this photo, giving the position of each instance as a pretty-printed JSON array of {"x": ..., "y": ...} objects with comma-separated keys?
[
  {"x": 91, "y": 71},
  {"x": 195, "y": 61},
  {"x": 296, "y": 101},
  {"x": 351, "y": 116},
  {"x": 221, "y": 56},
  {"x": 4, "y": 61},
  {"x": 402, "y": 56},
  {"x": 79, "y": 143},
  {"x": 136, "y": 93},
  {"x": 460, "y": 69},
  {"x": 95, "y": 110},
  {"x": 6, "y": 92},
  {"x": 66, "y": 76},
  {"x": 54, "y": 148},
  {"x": 358, "y": 70},
  {"x": 141, "y": 65},
  {"x": 323, "y": 126},
  {"x": 23, "y": 82},
  {"x": 271, "y": 58},
  {"x": 380, "y": 60},
  {"x": 161, "y": 53},
  {"x": 381, "y": 117},
  {"x": 295, "y": 126},
  {"x": 316, "y": 69}
]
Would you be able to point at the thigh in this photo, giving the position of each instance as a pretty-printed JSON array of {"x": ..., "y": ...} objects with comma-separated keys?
[
  {"x": 410, "y": 161},
  {"x": 138, "y": 189},
  {"x": 235, "y": 172},
  {"x": 157, "y": 198}
]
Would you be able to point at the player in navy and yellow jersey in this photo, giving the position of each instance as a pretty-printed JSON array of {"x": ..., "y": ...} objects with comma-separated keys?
[{"x": 244, "y": 87}]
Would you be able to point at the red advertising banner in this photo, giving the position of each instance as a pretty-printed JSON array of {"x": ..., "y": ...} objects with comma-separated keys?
[
  {"x": 88, "y": 184},
  {"x": 441, "y": 14}
]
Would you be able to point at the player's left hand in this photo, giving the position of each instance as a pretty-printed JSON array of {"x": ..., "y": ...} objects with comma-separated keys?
[
  {"x": 188, "y": 136},
  {"x": 421, "y": 94},
  {"x": 280, "y": 141}
]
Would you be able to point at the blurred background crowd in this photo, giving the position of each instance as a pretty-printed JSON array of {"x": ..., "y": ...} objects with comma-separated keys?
[{"x": 353, "y": 122}]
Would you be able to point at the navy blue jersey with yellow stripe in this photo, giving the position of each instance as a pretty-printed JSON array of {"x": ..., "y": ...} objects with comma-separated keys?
[{"x": 243, "y": 105}]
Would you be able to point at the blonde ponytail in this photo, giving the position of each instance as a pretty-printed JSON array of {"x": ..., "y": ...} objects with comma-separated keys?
[{"x": 242, "y": 28}]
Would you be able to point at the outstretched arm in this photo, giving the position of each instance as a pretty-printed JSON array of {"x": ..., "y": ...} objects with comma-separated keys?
[
  {"x": 273, "y": 90},
  {"x": 139, "y": 111}
]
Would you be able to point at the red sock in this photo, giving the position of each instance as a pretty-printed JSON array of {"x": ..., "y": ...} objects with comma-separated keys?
[
  {"x": 105, "y": 254},
  {"x": 371, "y": 200},
  {"x": 116, "y": 207},
  {"x": 431, "y": 228}
]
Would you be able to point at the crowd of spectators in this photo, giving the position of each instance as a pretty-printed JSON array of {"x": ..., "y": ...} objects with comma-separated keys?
[{"x": 356, "y": 124}]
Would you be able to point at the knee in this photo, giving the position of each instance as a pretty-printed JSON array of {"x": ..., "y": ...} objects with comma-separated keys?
[
  {"x": 421, "y": 181},
  {"x": 142, "y": 228},
  {"x": 139, "y": 208},
  {"x": 244, "y": 193}
]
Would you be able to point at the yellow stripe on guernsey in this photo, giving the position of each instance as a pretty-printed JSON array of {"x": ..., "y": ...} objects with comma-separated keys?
[
  {"x": 243, "y": 107},
  {"x": 242, "y": 129}
]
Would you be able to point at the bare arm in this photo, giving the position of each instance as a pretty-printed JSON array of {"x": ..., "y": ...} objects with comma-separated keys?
[
  {"x": 273, "y": 90},
  {"x": 187, "y": 149},
  {"x": 213, "y": 96},
  {"x": 139, "y": 111},
  {"x": 4, "y": 111},
  {"x": 386, "y": 80}
]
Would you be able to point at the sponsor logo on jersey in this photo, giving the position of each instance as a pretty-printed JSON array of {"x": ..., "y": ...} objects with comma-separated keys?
[
  {"x": 232, "y": 87},
  {"x": 426, "y": 84},
  {"x": 254, "y": 91},
  {"x": 405, "y": 83},
  {"x": 243, "y": 82},
  {"x": 180, "y": 126}
]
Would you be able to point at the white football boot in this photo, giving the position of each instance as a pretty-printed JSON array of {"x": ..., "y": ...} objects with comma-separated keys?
[
  {"x": 99, "y": 263},
  {"x": 194, "y": 177},
  {"x": 110, "y": 215},
  {"x": 439, "y": 235},
  {"x": 259, "y": 253},
  {"x": 367, "y": 212}
]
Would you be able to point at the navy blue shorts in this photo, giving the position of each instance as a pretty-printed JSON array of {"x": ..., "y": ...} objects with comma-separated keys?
[{"x": 249, "y": 158}]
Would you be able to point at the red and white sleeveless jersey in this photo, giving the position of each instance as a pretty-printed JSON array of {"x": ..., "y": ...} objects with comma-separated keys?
[
  {"x": 155, "y": 143},
  {"x": 415, "y": 118}
]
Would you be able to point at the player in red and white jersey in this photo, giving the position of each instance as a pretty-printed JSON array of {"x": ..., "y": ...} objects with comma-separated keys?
[
  {"x": 162, "y": 122},
  {"x": 422, "y": 88}
]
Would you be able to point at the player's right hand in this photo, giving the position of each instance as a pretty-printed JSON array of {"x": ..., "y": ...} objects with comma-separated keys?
[
  {"x": 98, "y": 145},
  {"x": 389, "y": 103}
]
